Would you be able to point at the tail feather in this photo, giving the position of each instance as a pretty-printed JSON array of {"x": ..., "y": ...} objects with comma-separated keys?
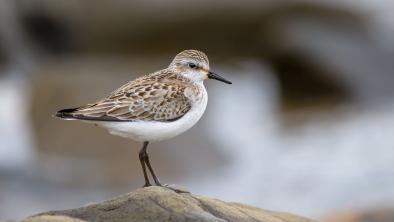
[
  {"x": 66, "y": 113},
  {"x": 69, "y": 114}
]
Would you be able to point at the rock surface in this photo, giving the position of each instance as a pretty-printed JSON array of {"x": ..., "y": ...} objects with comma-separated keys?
[{"x": 165, "y": 204}]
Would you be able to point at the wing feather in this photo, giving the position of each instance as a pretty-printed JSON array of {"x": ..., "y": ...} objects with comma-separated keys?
[{"x": 151, "y": 101}]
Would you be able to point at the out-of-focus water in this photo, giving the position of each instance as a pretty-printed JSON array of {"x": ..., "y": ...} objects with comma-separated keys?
[{"x": 16, "y": 142}]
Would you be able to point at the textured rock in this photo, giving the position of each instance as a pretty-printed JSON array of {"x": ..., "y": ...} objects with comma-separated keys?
[
  {"x": 50, "y": 218},
  {"x": 165, "y": 204}
]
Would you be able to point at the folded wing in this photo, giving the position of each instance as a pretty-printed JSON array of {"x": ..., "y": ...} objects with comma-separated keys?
[{"x": 151, "y": 101}]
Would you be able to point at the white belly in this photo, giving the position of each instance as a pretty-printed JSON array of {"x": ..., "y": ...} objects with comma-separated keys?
[{"x": 156, "y": 131}]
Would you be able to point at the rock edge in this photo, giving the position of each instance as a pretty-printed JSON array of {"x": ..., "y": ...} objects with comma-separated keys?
[{"x": 165, "y": 204}]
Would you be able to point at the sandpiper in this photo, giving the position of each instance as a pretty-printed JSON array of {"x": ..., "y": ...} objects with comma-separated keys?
[{"x": 153, "y": 107}]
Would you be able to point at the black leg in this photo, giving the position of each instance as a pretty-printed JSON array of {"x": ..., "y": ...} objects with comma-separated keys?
[
  {"x": 142, "y": 156},
  {"x": 157, "y": 182},
  {"x": 147, "y": 162}
]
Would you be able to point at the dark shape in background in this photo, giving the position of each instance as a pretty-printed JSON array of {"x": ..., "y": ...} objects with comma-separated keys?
[{"x": 47, "y": 33}]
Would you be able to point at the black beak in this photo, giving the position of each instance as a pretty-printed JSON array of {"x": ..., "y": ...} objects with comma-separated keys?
[{"x": 212, "y": 75}]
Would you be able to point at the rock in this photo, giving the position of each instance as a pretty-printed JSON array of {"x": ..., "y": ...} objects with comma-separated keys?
[
  {"x": 170, "y": 203},
  {"x": 50, "y": 218}
]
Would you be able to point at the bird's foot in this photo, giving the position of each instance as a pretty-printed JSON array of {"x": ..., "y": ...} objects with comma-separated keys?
[
  {"x": 176, "y": 188},
  {"x": 157, "y": 183},
  {"x": 147, "y": 185}
]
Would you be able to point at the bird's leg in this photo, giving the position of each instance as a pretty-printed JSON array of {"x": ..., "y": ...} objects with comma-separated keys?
[
  {"x": 142, "y": 156},
  {"x": 157, "y": 182}
]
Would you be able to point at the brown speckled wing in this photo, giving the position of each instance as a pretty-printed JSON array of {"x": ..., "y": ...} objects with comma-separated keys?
[{"x": 149, "y": 98}]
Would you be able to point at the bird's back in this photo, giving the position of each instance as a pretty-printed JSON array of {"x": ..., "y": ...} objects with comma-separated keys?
[{"x": 160, "y": 96}]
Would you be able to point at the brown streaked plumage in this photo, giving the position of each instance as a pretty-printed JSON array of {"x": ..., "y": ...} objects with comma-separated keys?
[
  {"x": 190, "y": 55},
  {"x": 156, "y": 97}
]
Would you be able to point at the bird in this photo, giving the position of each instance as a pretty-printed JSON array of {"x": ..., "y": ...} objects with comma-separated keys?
[{"x": 153, "y": 107}]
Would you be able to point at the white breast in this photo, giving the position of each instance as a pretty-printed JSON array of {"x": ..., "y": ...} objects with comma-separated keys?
[{"x": 156, "y": 131}]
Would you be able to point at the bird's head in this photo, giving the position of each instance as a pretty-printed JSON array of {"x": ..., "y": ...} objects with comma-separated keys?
[{"x": 194, "y": 65}]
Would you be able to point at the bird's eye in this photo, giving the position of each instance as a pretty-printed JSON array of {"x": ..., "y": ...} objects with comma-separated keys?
[{"x": 192, "y": 65}]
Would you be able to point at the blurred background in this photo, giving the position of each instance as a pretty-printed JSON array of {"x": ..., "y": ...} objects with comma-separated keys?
[{"x": 307, "y": 127}]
